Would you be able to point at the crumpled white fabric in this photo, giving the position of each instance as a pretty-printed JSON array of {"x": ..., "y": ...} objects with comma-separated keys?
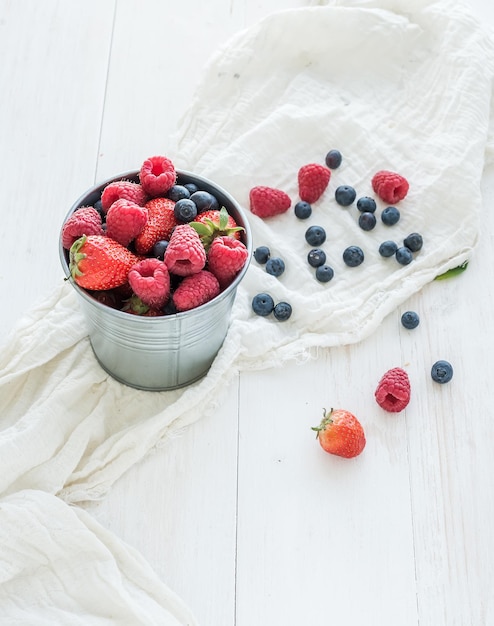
[{"x": 393, "y": 85}]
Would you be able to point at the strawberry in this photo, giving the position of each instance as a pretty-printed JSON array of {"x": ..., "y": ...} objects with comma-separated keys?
[
  {"x": 268, "y": 201},
  {"x": 341, "y": 433},
  {"x": 160, "y": 223},
  {"x": 150, "y": 281},
  {"x": 122, "y": 189},
  {"x": 125, "y": 220},
  {"x": 393, "y": 391},
  {"x": 157, "y": 175},
  {"x": 313, "y": 179},
  {"x": 185, "y": 253},
  {"x": 83, "y": 221},
  {"x": 195, "y": 290},
  {"x": 99, "y": 263},
  {"x": 215, "y": 223},
  {"x": 390, "y": 186},
  {"x": 226, "y": 257}
]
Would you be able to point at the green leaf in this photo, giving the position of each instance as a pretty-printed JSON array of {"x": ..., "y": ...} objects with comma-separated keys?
[{"x": 453, "y": 272}]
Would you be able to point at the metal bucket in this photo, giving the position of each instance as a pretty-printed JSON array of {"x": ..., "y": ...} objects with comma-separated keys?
[{"x": 166, "y": 352}]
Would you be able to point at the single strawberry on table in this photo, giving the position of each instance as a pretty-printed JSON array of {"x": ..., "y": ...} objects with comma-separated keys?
[
  {"x": 268, "y": 201},
  {"x": 341, "y": 433},
  {"x": 226, "y": 257},
  {"x": 159, "y": 225},
  {"x": 313, "y": 180}
]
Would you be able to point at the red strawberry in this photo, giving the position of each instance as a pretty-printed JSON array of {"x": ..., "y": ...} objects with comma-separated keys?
[
  {"x": 84, "y": 221},
  {"x": 160, "y": 223},
  {"x": 195, "y": 290},
  {"x": 393, "y": 391},
  {"x": 390, "y": 186},
  {"x": 185, "y": 253},
  {"x": 341, "y": 433},
  {"x": 157, "y": 175},
  {"x": 99, "y": 263},
  {"x": 226, "y": 257},
  {"x": 150, "y": 281},
  {"x": 122, "y": 189},
  {"x": 313, "y": 179},
  {"x": 268, "y": 201},
  {"x": 215, "y": 223},
  {"x": 125, "y": 220}
]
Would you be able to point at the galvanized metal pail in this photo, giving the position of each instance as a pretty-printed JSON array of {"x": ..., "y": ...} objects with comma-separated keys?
[{"x": 166, "y": 352}]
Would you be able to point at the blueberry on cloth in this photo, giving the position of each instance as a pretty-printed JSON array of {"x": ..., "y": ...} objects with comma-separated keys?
[
  {"x": 404, "y": 255},
  {"x": 262, "y": 254},
  {"x": 353, "y": 256},
  {"x": 365, "y": 204},
  {"x": 345, "y": 195},
  {"x": 388, "y": 248},
  {"x": 390, "y": 215},
  {"x": 410, "y": 319},
  {"x": 442, "y": 372},
  {"x": 324, "y": 273},
  {"x": 333, "y": 159},
  {"x": 302, "y": 210},
  {"x": 282, "y": 311},
  {"x": 413, "y": 242},
  {"x": 275, "y": 266},
  {"x": 315, "y": 235},
  {"x": 367, "y": 220},
  {"x": 262, "y": 304},
  {"x": 316, "y": 257}
]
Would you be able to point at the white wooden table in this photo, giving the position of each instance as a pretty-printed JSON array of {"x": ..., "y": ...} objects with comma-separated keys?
[{"x": 243, "y": 515}]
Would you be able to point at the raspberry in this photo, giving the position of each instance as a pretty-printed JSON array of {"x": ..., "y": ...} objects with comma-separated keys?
[
  {"x": 157, "y": 175},
  {"x": 390, "y": 186},
  {"x": 185, "y": 253},
  {"x": 268, "y": 201},
  {"x": 226, "y": 257},
  {"x": 195, "y": 290},
  {"x": 393, "y": 391},
  {"x": 312, "y": 181},
  {"x": 150, "y": 281},
  {"x": 84, "y": 221},
  {"x": 122, "y": 189},
  {"x": 125, "y": 220},
  {"x": 160, "y": 223}
]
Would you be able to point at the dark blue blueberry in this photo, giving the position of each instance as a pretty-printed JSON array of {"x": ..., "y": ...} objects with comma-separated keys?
[
  {"x": 185, "y": 210},
  {"x": 302, "y": 210},
  {"x": 390, "y": 215},
  {"x": 410, "y": 320},
  {"x": 367, "y": 221},
  {"x": 315, "y": 235},
  {"x": 275, "y": 266},
  {"x": 191, "y": 187},
  {"x": 178, "y": 192},
  {"x": 204, "y": 201},
  {"x": 262, "y": 254},
  {"x": 324, "y": 273},
  {"x": 413, "y": 242},
  {"x": 333, "y": 159},
  {"x": 442, "y": 372},
  {"x": 262, "y": 304},
  {"x": 316, "y": 257},
  {"x": 159, "y": 249},
  {"x": 98, "y": 205},
  {"x": 366, "y": 204},
  {"x": 353, "y": 256},
  {"x": 388, "y": 248},
  {"x": 282, "y": 311},
  {"x": 404, "y": 255},
  {"x": 345, "y": 195}
]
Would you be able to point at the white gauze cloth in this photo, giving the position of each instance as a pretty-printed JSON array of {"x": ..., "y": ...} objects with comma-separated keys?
[{"x": 393, "y": 85}]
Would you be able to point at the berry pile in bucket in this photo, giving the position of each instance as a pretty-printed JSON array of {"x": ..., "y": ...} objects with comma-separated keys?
[{"x": 154, "y": 247}]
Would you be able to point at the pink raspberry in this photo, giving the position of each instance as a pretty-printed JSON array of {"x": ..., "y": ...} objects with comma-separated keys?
[
  {"x": 125, "y": 220},
  {"x": 150, "y": 281},
  {"x": 226, "y": 257},
  {"x": 390, "y": 186},
  {"x": 125, "y": 190},
  {"x": 268, "y": 201},
  {"x": 393, "y": 391},
  {"x": 185, "y": 253},
  {"x": 313, "y": 179},
  {"x": 84, "y": 221},
  {"x": 195, "y": 290},
  {"x": 157, "y": 175}
]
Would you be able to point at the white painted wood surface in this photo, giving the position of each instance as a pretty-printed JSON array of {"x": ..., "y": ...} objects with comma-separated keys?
[{"x": 242, "y": 515}]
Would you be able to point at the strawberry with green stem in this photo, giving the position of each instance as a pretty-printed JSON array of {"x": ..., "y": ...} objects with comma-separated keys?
[
  {"x": 215, "y": 223},
  {"x": 340, "y": 433}
]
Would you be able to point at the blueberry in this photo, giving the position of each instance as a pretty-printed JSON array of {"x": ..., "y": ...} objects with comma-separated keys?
[
  {"x": 442, "y": 372},
  {"x": 353, "y": 256},
  {"x": 302, "y": 210},
  {"x": 282, "y": 311},
  {"x": 275, "y": 266},
  {"x": 98, "y": 205},
  {"x": 185, "y": 210},
  {"x": 159, "y": 249},
  {"x": 315, "y": 235},
  {"x": 262, "y": 254},
  {"x": 316, "y": 257},
  {"x": 333, "y": 159},
  {"x": 345, "y": 195},
  {"x": 404, "y": 255},
  {"x": 410, "y": 319},
  {"x": 413, "y": 242},
  {"x": 366, "y": 204},
  {"x": 178, "y": 192},
  {"x": 367, "y": 221},
  {"x": 324, "y": 273},
  {"x": 388, "y": 248},
  {"x": 191, "y": 187},
  {"x": 204, "y": 201},
  {"x": 262, "y": 304},
  {"x": 390, "y": 215}
]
